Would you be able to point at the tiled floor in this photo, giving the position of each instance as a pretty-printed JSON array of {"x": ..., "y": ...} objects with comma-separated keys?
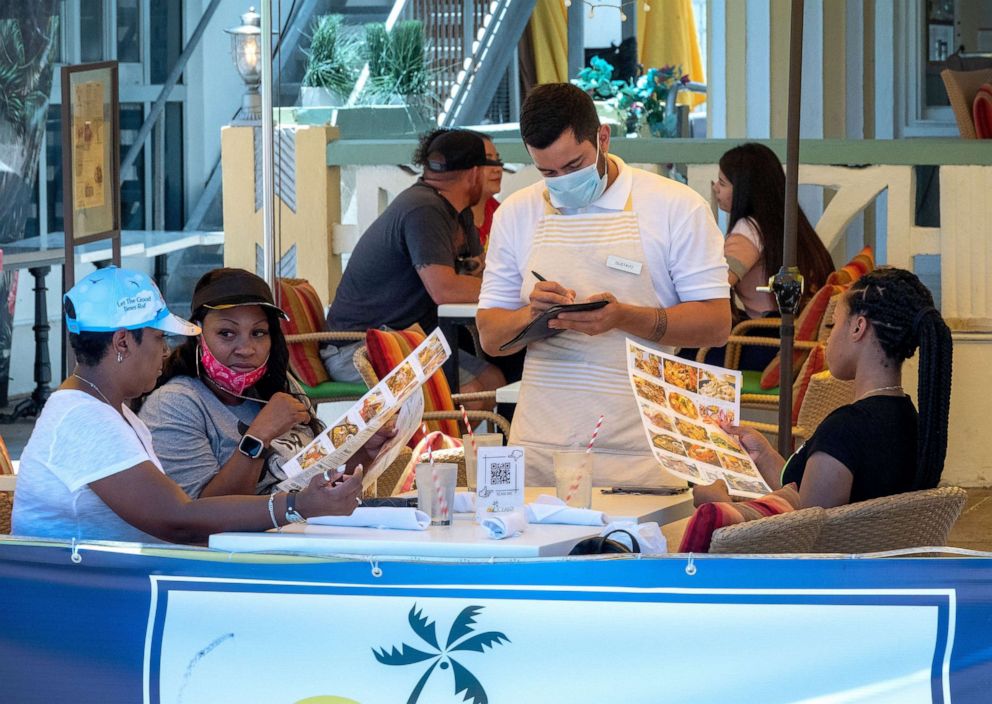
[{"x": 973, "y": 530}]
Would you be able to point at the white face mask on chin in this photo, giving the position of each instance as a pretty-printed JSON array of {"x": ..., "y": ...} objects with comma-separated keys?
[{"x": 581, "y": 188}]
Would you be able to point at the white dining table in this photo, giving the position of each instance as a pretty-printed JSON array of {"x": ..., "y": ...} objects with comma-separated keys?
[{"x": 463, "y": 539}]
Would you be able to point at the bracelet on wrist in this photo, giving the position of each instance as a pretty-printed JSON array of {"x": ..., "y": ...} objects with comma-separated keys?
[{"x": 272, "y": 512}]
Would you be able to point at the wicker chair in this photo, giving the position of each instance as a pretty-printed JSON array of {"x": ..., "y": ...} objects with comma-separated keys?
[
  {"x": 825, "y": 394},
  {"x": 914, "y": 519},
  {"x": 910, "y": 520},
  {"x": 962, "y": 86},
  {"x": 786, "y": 533},
  {"x": 330, "y": 391}
]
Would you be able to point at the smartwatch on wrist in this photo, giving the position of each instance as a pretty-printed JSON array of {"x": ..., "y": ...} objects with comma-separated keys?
[
  {"x": 250, "y": 446},
  {"x": 292, "y": 515}
]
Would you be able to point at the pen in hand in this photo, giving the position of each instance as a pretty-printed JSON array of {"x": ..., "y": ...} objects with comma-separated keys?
[{"x": 538, "y": 276}]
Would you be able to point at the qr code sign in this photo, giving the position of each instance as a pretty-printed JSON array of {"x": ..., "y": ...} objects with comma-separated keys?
[{"x": 499, "y": 474}]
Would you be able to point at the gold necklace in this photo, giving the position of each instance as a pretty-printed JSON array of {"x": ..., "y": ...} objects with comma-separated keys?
[
  {"x": 880, "y": 389},
  {"x": 94, "y": 387}
]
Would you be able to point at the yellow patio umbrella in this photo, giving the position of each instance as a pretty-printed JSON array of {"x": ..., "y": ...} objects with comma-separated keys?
[
  {"x": 548, "y": 30},
  {"x": 666, "y": 35}
]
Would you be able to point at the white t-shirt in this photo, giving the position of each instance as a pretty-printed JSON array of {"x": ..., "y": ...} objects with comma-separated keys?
[
  {"x": 78, "y": 439},
  {"x": 682, "y": 243}
]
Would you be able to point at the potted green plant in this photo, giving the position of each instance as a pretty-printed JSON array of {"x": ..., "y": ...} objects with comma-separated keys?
[
  {"x": 597, "y": 80},
  {"x": 395, "y": 98},
  {"x": 332, "y": 63},
  {"x": 646, "y": 101},
  {"x": 397, "y": 63}
]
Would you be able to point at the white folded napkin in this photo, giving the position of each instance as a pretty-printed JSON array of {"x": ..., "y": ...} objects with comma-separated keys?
[
  {"x": 650, "y": 539},
  {"x": 504, "y": 525},
  {"x": 464, "y": 502},
  {"x": 550, "y": 509},
  {"x": 394, "y": 517}
]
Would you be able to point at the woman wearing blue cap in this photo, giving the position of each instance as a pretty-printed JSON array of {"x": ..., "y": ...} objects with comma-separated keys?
[{"x": 89, "y": 470}]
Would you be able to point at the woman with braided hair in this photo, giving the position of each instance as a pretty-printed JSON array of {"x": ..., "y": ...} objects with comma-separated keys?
[{"x": 878, "y": 445}]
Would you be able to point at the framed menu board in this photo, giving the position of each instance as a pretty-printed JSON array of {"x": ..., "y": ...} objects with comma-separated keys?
[
  {"x": 91, "y": 155},
  {"x": 91, "y": 184}
]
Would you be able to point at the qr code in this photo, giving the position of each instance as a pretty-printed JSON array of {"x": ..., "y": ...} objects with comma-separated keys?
[{"x": 499, "y": 476}]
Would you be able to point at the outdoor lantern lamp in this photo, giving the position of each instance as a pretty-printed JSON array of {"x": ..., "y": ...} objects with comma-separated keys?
[{"x": 246, "y": 48}]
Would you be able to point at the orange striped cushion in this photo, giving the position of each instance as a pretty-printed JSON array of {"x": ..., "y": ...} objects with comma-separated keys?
[
  {"x": 386, "y": 349},
  {"x": 862, "y": 263},
  {"x": 306, "y": 314},
  {"x": 815, "y": 363},
  {"x": 712, "y": 516},
  {"x": 807, "y": 329}
]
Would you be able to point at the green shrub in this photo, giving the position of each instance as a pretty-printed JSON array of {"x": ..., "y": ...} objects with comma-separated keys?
[{"x": 332, "y": 61}]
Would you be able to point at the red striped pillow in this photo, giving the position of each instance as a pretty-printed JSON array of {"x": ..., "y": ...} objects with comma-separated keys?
[
  {"x": 807, "y": 329},
  {"x": 712, "y": 516},
  {"x": 815, "y": 363},
  {"x": 386, "y": 349},
  {"x": 981, "y": 112},
  {"x": 306, "y": 314}
]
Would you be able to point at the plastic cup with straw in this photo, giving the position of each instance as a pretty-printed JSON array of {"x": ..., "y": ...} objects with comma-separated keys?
[{"x": 577, "y": 480}]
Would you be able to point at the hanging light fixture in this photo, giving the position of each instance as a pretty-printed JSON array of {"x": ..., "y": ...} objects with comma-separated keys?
[
  {"x": 246, "y": 49},
  {"x": 619, "y": 5}
]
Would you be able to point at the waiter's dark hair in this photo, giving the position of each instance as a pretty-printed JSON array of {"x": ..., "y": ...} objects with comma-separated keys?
[
  {"x": 552, "y": 108},
  {"x": 902, "y": 313},
  {"x": 759, "y": 195}
]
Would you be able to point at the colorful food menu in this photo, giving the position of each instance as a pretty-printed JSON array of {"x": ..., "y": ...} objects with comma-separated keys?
[
  {"x": 399, "y": 393},
  {"x": 682, "y": 405}
]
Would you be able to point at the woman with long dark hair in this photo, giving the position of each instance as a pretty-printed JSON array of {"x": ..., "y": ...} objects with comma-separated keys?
[
  {"x": 878, "y": 445},
  {"x": 751, "y": 188},
  {"x": 226, "y": 414}
]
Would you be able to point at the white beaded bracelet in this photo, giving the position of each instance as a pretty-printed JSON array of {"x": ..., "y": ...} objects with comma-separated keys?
[{"x": 272, "y": 513}]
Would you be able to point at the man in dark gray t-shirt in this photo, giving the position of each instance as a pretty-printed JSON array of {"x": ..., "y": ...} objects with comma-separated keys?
[
  {"x": 411, "y": 258},
  {"x": 382, "y": 283}
]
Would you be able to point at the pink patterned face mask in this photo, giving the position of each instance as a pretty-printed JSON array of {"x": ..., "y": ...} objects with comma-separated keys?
[{"x": 228, "y": 379}]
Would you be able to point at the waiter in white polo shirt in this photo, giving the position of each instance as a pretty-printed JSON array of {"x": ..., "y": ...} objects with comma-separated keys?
[{"x": 596, "y": 228}]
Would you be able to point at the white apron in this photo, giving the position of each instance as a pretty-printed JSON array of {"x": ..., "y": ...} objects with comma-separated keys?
[{"x": 572, "y": 378}]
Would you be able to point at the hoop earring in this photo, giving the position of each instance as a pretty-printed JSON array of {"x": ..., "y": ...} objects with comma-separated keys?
[{"x": 120, "y": 357}]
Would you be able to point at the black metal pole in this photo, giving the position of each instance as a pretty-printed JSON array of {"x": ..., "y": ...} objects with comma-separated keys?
[{"x": 788, "y": 284}]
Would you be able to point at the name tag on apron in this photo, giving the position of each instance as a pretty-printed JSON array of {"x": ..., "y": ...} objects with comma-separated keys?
[{"x": 628, "y": 266}]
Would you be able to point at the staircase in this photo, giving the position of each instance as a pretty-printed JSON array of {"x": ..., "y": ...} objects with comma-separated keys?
[{"x": 472, "y": 45}]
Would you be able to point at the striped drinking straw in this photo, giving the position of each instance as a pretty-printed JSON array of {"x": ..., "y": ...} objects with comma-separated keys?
[{"x": 592, "y": 441}]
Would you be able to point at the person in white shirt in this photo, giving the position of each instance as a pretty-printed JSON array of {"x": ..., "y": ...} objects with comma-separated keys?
[
  {"x": 89, "y": 471},
  {"x": 596, "y": 229}
]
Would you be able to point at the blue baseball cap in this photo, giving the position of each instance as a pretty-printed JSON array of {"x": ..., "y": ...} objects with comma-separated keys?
[{"x": 111, "y": 299}]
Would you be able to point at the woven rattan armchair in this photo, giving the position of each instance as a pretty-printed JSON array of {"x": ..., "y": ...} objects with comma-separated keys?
[
  {"x": 786, "y": 533},
  {"x": 914, "y": 519},
  {"x": 962, "y": 86},
  {"x": 364, "y": 367},
  {"x": 911, "y": 520},
  {"x": 825, "y": 394},
  {"x": 331, "y": 391}
]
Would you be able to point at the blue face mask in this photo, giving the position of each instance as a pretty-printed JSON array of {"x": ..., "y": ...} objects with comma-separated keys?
[{"x": 579, "y": 188}]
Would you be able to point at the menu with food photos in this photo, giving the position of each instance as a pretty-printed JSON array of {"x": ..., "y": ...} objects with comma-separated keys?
[
  {"x": 399, "y": 393},
  {"x": 682, "y": 404}
]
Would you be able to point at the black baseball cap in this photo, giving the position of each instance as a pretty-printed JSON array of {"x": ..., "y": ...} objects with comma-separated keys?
[
  {"x": 228, "y": 288},
  {"x": 457, "y": 150}
]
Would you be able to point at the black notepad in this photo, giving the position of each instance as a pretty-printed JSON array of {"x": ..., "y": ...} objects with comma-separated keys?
[{"x": 538, "y": 328}]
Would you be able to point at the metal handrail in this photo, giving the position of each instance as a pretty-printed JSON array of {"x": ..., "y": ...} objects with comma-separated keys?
[{"x": 170, "y": 83}]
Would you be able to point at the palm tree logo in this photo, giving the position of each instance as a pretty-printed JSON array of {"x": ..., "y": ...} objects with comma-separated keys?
[{"x": 459, "y": 639}]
